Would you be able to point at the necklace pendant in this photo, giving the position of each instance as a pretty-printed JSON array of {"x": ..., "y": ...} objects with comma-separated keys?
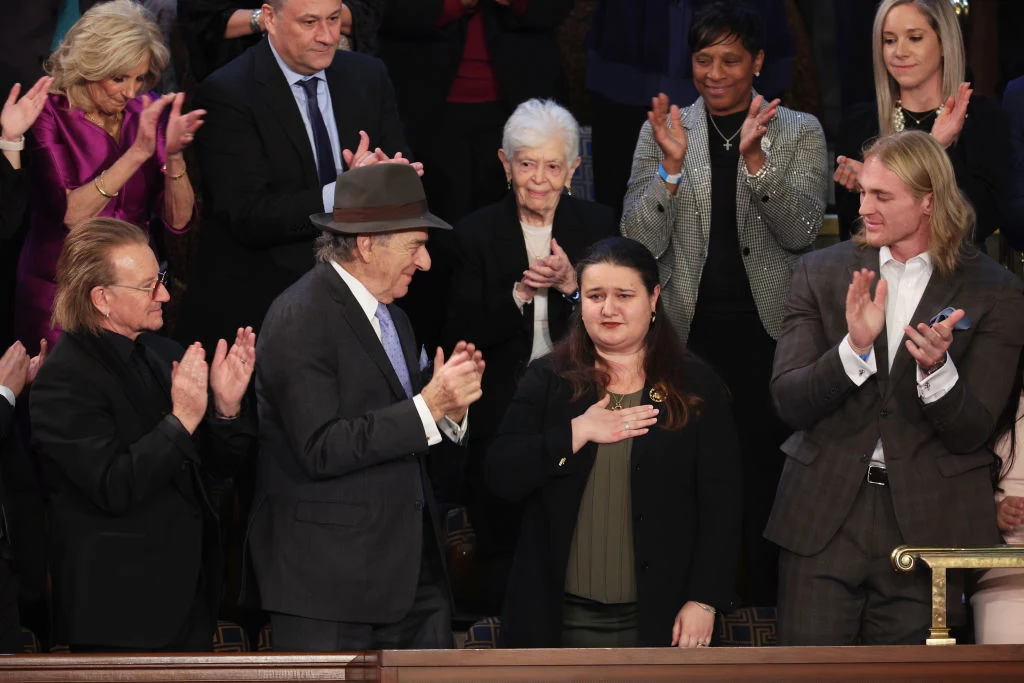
[{"x": 727, "y": 146}]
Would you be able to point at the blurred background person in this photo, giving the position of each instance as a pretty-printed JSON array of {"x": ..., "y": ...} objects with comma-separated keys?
[
  {"x": 17, "y": 116},
  {"x": 101, "y": 148},
  {"x": 459, "y": 68},
  {"x": 129, "y": 439},
  {"x": 727, "y": 193},
  {"x": 998, "y": 598},
  {"x": 512, "y": 294},
  {"x": 638, "y": 48},
  {"x": 622, "y": 449},
  {"x": 919, "y": 66},
  {"x": 1013, "y": 109}
]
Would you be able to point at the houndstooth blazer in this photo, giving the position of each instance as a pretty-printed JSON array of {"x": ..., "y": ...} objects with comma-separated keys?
[{"x": 778, "y": 214}]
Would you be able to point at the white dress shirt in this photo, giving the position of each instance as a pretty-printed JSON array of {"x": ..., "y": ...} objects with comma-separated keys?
[
  {"x": 7, "y": 393},
  {"x": 368, "y": 302},
  {"x": 326, "y": 110},
  {"x": 907, "y": 282}
]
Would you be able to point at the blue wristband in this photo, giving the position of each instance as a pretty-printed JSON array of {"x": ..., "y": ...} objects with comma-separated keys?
[{"x": 674, "y": 178}]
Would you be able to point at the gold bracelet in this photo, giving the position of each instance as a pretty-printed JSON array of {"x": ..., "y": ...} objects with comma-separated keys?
[
  {"x": 102, "y": 188},
  {"x": 706, "y": 608},
  {"x": 163, "y": 169}
]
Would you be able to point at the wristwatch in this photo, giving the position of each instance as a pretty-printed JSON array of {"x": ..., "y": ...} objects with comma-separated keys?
[
  {"x": 573, "y": 298},
  {"x": 254, "y": 20},
  {"x": 670, "y": 178}
]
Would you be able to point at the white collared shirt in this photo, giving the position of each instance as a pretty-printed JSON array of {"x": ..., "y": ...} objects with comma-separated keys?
[
  {"x": 7, "y": 393},
  {"x": 368, "y": 302},
  {"x": 906, "y": 282},
  {"x": 326, "y": 110}
]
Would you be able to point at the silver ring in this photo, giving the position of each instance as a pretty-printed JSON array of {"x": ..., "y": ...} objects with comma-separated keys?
[
  {"x": 627, "y": 426},
  {"x": 189, "y": 136}
]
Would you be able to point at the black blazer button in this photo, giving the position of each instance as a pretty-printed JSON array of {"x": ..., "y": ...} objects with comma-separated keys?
[
  {"x": 637, "y": 467},
  {"x": 746, "y": 251},
  {"x": 418, "y": 505},
  {"x": 661, "y": 209},
  {"x": 644, "y": 565},
  {"x": 884, "y": 412}
]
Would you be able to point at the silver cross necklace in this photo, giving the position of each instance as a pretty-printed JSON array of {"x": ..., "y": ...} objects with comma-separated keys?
[{"x": 727, "y": 140}]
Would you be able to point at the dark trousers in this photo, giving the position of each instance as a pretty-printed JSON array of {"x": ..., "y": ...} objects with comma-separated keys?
[
  {"x": 427, "y": 625},
  {"x": 736, "y": 345},
  {"x": 615, "y": 128},
  {"x": 10, "y": 625},
  {"x": 849, "y": 590}
]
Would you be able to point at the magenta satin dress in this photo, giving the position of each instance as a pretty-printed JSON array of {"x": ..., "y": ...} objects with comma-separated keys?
[{"x": 68, "y": 151}]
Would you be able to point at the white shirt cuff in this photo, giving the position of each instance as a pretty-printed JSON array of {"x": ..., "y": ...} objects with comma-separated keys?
[
  {"x": 433, "y": 430},
  {"x": 857, "y": 369},
  {"x": 7, "y": 393},
  {"x": 454, "y": 431},
  {"x": 936, "y": 385},
  {"x": 328, "y": 194},
  {"x": 520, "y": 301}
]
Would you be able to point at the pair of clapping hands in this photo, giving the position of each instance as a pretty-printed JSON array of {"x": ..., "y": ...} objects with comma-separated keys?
[
  {"x": 364, "y": 156},
  {"x": 456, "y": 382},
  {"x": 946, "y": 129},
  {"x": 554, "y": 270},
  {"x": 17, "y": 369},
  {"x": 226, "y": 377}
]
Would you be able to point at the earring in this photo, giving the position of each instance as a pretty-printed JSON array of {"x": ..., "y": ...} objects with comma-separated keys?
[
  {"x": 757, "y": 73},
  {"x": 568, "y": 189},
  {"x": 508, "y": 183},
  {"x": 654, "y": 316}
]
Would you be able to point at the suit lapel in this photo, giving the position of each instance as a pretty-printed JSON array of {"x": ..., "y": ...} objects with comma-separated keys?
[
  {"x": 360, "y": 324},
  {"x": 697, "y": 165},
  {"x": 277, "y": 96}
]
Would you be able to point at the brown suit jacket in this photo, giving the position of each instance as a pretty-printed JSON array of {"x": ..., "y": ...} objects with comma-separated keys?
[{"x": 936, "y": 454}]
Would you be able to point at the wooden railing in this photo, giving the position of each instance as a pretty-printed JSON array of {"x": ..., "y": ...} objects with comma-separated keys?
[{"x": 905, "y": 558}]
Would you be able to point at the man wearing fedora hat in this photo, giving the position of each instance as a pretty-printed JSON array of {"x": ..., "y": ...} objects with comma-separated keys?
[{"x": 344, "y": 531}]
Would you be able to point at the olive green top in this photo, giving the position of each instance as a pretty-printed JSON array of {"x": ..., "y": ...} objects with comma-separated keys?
[{"x": 601, "y": 555}]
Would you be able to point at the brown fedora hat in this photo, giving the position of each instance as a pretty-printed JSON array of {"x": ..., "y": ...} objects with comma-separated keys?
[{"x": 378, "y": 198}]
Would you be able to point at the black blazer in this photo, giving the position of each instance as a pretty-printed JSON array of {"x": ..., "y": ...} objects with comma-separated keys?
[
  {"x": 491, "y": 258},
  {"x": 130, "y": 519},
  {"x": 686, "y": 506},
  {"x": 337, "y": 527},
  {"x": 424, "y": 58},
  {"x": 260, "y": 182}
]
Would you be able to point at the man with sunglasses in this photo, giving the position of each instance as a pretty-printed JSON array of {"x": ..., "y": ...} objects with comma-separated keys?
[{"x": 130, "y": 429}]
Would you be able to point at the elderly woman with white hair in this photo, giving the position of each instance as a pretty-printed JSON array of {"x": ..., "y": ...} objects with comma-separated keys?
[{"x": 513, "y": 291}]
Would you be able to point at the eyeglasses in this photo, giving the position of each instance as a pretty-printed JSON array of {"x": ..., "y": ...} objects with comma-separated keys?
[{"x": 161, "y": 279}]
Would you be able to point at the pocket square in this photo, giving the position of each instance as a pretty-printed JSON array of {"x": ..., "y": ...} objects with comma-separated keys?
[{"x": 963, "y": 324}]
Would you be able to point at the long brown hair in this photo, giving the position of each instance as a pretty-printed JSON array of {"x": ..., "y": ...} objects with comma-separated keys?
[{"x": 576, "y": 360}]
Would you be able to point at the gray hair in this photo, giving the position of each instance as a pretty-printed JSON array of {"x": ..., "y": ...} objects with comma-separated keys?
[
  {"x": 330, "y": 246},
  {"x": 535, "y": 122}
]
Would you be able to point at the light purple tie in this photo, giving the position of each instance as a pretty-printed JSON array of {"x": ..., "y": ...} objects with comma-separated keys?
[{"x": 393, "y": 347}]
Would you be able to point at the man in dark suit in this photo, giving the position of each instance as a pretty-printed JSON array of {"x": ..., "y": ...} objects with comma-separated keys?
[
  {"x": 278, "y": 118},
  {"x": 128, "y": 436},
  {"x": 896, "y": 395},
  {"x": 344, "y": 532}
]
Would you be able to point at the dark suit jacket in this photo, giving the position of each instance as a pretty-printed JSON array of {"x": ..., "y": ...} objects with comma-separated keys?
[
  {"x": 337, "y": 526},
  {"x": 130, "y": 520},
  {"x": 936, "y": 457},
  {"x": 260, "y": 182},
  {"x": 491, "y": 257},
  {"x": 686, "y": 507}
]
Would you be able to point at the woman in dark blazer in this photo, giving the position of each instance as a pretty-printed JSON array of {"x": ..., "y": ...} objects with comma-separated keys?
[
  {"x": 513, "y": 290},
  {"x": 621, "y": 447},
  {"x": 129, "y": 427}
]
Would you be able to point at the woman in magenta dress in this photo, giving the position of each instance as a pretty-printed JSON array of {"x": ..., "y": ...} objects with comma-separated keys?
[{"x": 101, "y": 148}]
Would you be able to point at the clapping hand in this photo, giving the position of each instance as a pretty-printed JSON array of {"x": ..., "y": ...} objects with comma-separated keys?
[
  {"x": 928, "y": 343},
  {"x": 456, "y": 382},
  {"x": 18, "y": 115},
  {"x": 865, "y": 316},
  {"x": 181, "y": 128},
  {"x": 668, "y": 132},
  {"x": 1010, "y": 513},
  {"x": 189, "y": 380},
  {"x": 847, "y": 172},
  {"x": 230, "y": 372},
  {"x": 600, "y": 425},
  {"x": 950, "y": 121},
  {"x": 364, "y": 156},
  {"x": 753, "y": 129},
  {"x": 14, "y": 367},
  {"x": 554, "y": 270}
]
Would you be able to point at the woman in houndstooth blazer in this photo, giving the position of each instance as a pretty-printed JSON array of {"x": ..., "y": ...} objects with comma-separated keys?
[{"x": 727, "y": 193}]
